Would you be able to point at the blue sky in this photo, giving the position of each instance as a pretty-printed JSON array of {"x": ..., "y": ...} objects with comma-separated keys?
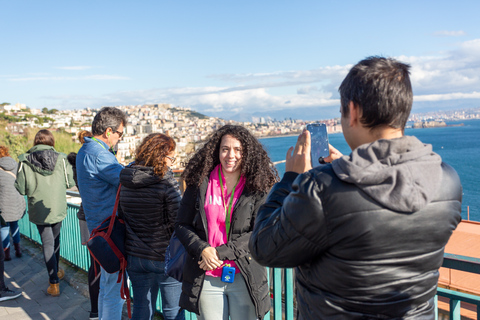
[{"x": 225, "y": 58}]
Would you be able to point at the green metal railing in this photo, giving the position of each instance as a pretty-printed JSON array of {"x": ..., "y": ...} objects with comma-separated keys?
[{"x": 282, "y": 281}]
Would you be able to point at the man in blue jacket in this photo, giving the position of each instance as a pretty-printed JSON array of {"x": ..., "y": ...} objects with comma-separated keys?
[
  {"x": 368, "y": 231},
  {"x": 98, "y": 174}
]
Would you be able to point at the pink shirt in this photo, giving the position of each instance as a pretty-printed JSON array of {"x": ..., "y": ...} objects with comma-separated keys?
[{"x": 215, "y": 211}]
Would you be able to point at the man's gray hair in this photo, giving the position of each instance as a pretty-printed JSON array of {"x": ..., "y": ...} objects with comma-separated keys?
[{"x": 108, "y": 117}]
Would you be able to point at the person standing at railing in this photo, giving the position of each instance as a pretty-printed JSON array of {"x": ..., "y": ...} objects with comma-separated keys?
[
  {"x": 98, "y": 174},
  {"x": 367, "y": 232},
  {"x": 12, "y": 203},
  {"x": 5, "y": 292},
  {"x": 149, "y": 202},
  {"x": 93, "y": 279},
  {"x": 227, "y": 181},
  {"x": 44, "y": 175}
]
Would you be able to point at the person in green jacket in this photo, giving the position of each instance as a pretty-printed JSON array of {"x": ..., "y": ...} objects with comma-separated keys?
[{"x": 44, "y": 175}]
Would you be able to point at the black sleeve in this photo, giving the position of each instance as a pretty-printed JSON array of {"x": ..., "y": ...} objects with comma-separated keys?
[
  {"x": 173, "y": 198},
  {"x": 184, "y": 226},
  {"x": 290, "y": 228}
]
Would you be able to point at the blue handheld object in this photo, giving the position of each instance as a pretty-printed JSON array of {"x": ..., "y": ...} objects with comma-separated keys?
[{"x": 228, "y": 274}]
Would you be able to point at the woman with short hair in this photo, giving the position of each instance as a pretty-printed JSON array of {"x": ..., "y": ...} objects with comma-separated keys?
[{"x": 44, "y": 175}]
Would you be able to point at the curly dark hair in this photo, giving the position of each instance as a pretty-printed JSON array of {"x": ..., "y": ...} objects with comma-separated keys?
[
  {"x": 152, "y": 152},
  {"x": 257, "y": 168}
]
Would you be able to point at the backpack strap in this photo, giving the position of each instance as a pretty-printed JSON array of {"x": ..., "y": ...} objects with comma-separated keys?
[{"x": 114, "y": 213}]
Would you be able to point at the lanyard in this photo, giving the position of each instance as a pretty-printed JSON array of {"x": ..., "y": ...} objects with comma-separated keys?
[
  {"x": 228, "y": 209},
  {"x": 113, "y": 151}
]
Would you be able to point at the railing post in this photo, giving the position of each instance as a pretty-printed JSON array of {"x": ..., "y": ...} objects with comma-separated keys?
[
  {"x": 288, "y": 281},
  {"x": 455, "y": 309},
  {"x": 277, "y": 294}
]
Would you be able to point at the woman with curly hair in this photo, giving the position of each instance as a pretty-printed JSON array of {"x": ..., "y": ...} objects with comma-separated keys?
[
  {"x": 149, "y": 202},
  {"x": 227, "y": 181}
]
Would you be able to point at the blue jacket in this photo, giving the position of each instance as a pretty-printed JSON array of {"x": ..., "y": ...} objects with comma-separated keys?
[{"x": 98, "y": 174}]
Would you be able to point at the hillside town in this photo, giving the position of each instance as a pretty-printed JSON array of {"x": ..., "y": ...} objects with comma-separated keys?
[{"x": 186, "y": 126}]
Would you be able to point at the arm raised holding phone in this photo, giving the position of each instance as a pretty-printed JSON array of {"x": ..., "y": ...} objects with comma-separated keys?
[{"x": 298, "y": 158}]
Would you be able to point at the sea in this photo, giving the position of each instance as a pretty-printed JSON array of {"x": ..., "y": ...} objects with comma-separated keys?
[{"x": 457, "y": 144}]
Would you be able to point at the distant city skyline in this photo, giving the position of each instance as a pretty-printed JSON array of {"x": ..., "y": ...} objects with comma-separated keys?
[{"x": 232, "y": 60}]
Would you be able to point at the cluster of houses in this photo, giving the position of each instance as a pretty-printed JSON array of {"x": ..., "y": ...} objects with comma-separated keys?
[{"x": 187, "y": 127}]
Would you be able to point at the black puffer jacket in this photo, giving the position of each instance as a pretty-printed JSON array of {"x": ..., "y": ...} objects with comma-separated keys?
[
  {"x": 149, "y": 206},
  {"x": 191, "y": 229},
  {"x": 367, "y": 233}
]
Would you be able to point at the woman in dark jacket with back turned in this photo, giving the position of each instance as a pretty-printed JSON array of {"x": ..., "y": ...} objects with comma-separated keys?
[
  {"x": 149, "y": 201},
  {"x": 227, "y": 181}
]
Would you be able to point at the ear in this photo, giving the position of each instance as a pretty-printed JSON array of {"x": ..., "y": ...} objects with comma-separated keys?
[
  {"x": 108, "y": 132},
  {"x": 354, "y": 113}
]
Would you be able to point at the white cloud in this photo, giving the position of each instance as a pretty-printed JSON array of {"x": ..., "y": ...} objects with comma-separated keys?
[
  {"x": 448, "y": 96},
  {"x": 76, "y": 68},
  {"x": 449, "y": 75},
  {"x": 58, "y": 78},
  {"x": 445, "y": 33}
]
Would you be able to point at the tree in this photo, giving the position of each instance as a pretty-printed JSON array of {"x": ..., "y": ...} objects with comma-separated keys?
[{"x": 45, "y": 110}]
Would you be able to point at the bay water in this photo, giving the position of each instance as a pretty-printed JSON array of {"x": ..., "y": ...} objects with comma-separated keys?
[{"x": 459, "y": 146}]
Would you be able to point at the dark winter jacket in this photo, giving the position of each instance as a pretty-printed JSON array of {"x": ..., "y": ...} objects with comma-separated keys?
[
  {"x": 366, "y": 233},
  {"x": 12, "y": 203},
  {"x": 191, "y": 229},
  {"x": 149, "y": 206},
  {"x": 44, "y": 175}
]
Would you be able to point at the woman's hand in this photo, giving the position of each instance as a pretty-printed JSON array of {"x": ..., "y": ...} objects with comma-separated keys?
[{"x": 210, "y": 260}]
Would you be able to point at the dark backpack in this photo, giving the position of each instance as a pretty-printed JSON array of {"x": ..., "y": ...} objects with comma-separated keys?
[{"x": 107, "y": 247}]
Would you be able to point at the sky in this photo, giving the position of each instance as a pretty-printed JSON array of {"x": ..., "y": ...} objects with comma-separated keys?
[{"x": 232, "y": 59}]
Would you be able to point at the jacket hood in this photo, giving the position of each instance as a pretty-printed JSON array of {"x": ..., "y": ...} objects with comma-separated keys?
[
  {"x": 41, "y": 158},
  {"x": 136, "y": 177},
  {"x": 8, "y": 164},
  {"x": 402, "y": 174}
]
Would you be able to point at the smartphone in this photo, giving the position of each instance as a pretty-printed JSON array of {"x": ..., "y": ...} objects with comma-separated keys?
[{"x": 319, "y": 138}]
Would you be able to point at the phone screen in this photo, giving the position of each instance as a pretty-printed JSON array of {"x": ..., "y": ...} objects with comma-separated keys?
[{"x": 318, "y": 133}]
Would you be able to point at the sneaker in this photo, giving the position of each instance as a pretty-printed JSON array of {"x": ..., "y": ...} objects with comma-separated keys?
[
  {"x": 8, "y": 294},
  {"x": 93, "y": 316}
]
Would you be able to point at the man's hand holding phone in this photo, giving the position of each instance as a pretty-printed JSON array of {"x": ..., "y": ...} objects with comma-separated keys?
[{"x": 300, "y": 160}]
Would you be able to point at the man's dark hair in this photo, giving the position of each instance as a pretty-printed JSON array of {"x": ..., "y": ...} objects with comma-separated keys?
[
  {"x": 108, "y": 117},
  {"x": 381, "y": 88}
]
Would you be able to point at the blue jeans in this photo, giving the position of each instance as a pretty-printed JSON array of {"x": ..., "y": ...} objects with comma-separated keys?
[
  {"x": 11, "y": 228},
  {"x": 110, "y": 303},
  {"x": 147, "y": 277}
]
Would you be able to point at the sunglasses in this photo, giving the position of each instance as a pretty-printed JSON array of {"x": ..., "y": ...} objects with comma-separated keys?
[
  {"x": 172, "y": 159},
  {"x": 120, "y": 134}
]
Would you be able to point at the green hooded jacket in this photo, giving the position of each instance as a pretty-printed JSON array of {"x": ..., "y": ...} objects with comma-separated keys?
[{"x": 44, "y": 175}]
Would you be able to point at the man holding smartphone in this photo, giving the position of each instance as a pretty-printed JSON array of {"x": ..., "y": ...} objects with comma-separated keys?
[{"x": 367, "y": 232}]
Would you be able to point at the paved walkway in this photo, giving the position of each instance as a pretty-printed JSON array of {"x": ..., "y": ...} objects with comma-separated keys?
[{"x": 29, "y": 275}]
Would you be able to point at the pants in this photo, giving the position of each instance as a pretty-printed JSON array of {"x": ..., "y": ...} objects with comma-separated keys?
[
  {"x": 219, "y": 300},
  {"x": 93, "y": 284},
  {"x": 2, "y": 269},
  {"x": 50, "y": 235},
  {"x": 147, "y": 277},
  {"x": 11, "y": 228},
  {"x": 110, "y": 303}
]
